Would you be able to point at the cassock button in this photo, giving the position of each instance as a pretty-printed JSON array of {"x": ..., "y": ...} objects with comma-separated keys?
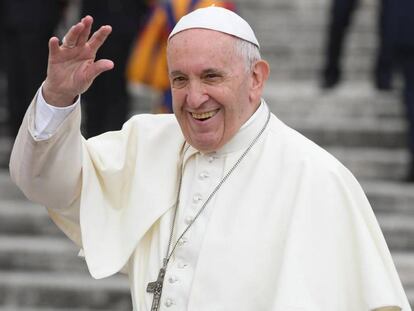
[
  {"x": 182, "y": 241},
  {"x": 168, "y": 302},
  {"x": 172, "y": 279},
  {"x": 197, "y": 198},
  {"x": 203, "y": 175},
  {"x": 188, "y": 220},
  {"x": 182, "y": 265}
]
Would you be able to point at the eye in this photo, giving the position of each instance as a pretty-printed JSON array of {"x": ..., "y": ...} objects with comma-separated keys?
[
  {"x": 179, "y": 81},
  {"x": 212, "y": 77}
]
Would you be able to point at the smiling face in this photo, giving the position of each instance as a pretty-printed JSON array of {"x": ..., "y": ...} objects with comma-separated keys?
[{"x": 213, "y": 93}]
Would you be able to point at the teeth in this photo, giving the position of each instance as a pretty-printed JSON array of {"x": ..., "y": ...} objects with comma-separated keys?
[{"x": 204, "y": 115}]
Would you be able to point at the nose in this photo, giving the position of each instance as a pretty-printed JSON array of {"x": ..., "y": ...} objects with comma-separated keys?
[{"x": 196, "y": 94}]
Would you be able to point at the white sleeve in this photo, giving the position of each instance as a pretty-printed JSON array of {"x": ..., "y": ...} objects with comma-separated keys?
[{"x": 48, "y": 117}]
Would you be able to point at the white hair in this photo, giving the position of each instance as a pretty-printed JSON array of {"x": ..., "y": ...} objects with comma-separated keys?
[{"x": 248, "y": 51}]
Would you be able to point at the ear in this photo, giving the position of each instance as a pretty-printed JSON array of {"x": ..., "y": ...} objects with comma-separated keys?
[{"x": 260, "y": 73}]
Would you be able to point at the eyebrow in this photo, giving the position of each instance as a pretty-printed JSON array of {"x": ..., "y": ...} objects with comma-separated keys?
[
  {"x": 204, "y": 72},
  {"x": 212, "y": 70},
  {"x": 175, "y": 73}
]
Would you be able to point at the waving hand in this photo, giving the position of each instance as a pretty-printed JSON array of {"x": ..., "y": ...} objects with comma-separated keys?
[{"x": 72, "y": 67}]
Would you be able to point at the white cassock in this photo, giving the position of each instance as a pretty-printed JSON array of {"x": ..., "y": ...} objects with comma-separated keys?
[{"x": 290, "y": 230}]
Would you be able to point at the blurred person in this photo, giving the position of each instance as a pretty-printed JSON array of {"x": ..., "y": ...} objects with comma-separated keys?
[
  {"x": 219, "y": 206},
  {"x": 126, "y": 17},
  {"x": 148, "y": 63},
  {"x": 399, "y": 31},
  {"x": 395, "y": 51},
  {"x": 27, "y": 26},
  {"x": 341, "y": 14}
]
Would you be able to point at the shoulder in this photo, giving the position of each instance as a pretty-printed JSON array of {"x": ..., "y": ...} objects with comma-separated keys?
[
  {"x": 297, "y": 149},
  {"x": 317, "y": 180},
  {"x": 303, "y": 164}
]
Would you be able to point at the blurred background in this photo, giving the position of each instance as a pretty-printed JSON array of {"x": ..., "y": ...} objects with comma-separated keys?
[{"x": 341, "y": 74}]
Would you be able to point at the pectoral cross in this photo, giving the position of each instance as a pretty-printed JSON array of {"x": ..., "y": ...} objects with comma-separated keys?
[{"x": 156, "y": 289}]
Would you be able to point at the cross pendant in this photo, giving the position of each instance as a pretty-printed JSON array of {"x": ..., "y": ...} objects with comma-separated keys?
[{"x": 156, "y": 288}]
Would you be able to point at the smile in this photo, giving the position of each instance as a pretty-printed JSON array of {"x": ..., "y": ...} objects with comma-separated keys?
[{"x": 204, "y": 115}]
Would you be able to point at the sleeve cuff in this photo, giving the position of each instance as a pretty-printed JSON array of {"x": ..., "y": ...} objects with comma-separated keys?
[{"x": 48, "y": 117}]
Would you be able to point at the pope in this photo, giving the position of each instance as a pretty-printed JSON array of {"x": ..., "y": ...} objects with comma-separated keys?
[{"x": 219, "y": 206}]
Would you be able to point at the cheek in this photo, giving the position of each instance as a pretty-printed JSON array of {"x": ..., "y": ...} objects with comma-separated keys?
[{"x": 177, "y": 99}]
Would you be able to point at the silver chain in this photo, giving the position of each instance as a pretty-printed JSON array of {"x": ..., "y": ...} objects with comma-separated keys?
[{"x": 253, "y": 142}]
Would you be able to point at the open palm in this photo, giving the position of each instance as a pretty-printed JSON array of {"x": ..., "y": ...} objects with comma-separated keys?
[{"x": 72, "y": 66}]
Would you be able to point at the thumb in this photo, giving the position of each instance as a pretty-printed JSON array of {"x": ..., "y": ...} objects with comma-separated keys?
[{"x": 100, "y": 66}]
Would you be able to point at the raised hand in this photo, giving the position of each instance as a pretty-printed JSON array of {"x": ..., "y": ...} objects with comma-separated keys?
[{"x": 72, "y": 66}]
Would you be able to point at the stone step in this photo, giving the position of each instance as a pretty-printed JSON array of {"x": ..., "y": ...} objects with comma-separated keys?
[
  {"x": 352, "y": 132},
  {"x": 309, "y": 68},
  {"x": 404, "y": 262},
  {"x": 351, "y": 99},
  {"x": 410, "y": 295},
  {"x": 276, "y": 30},
  {"x": 6, "y": 143},
  {"x": 388, "y": 197},
  {"x": 374, "y": 163},
  {"x": 292, "y": 37},
  {"x": 352, "y": 115},
  {"x": 8, "y": 190},
  {"x": 40, "y": 253},
  {"x": 398, "y": 231},
  {"x": 301, "y": 12},
  {"x": 290, "y": 63},
  {"x": 21, "y": 217},
  {"x": 63, "y": 290}
]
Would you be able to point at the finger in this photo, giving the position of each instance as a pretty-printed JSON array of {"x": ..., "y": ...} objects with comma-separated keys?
[
  {"x": 99, "y": 67},
  {"x": 99, "y": 37},
  {"x": 71, "y": 38},
  {"x": 53, "y": 46},
  {"x": 84, "y": 35}
]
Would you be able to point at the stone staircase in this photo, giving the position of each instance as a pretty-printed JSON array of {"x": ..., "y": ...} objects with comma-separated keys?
[
  {"x": 39, "y": 267},
  {"x": 292, "y": 34}
]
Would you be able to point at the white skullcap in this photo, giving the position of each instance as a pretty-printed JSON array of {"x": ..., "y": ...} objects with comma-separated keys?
[{"x": 219, "y": 19}]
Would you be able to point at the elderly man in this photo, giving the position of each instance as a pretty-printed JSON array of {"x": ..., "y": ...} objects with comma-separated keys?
[{"x": 222, "y": 207}]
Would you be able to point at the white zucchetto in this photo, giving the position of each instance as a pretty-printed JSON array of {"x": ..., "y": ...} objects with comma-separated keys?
[{"x": 218, "y": 19}]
